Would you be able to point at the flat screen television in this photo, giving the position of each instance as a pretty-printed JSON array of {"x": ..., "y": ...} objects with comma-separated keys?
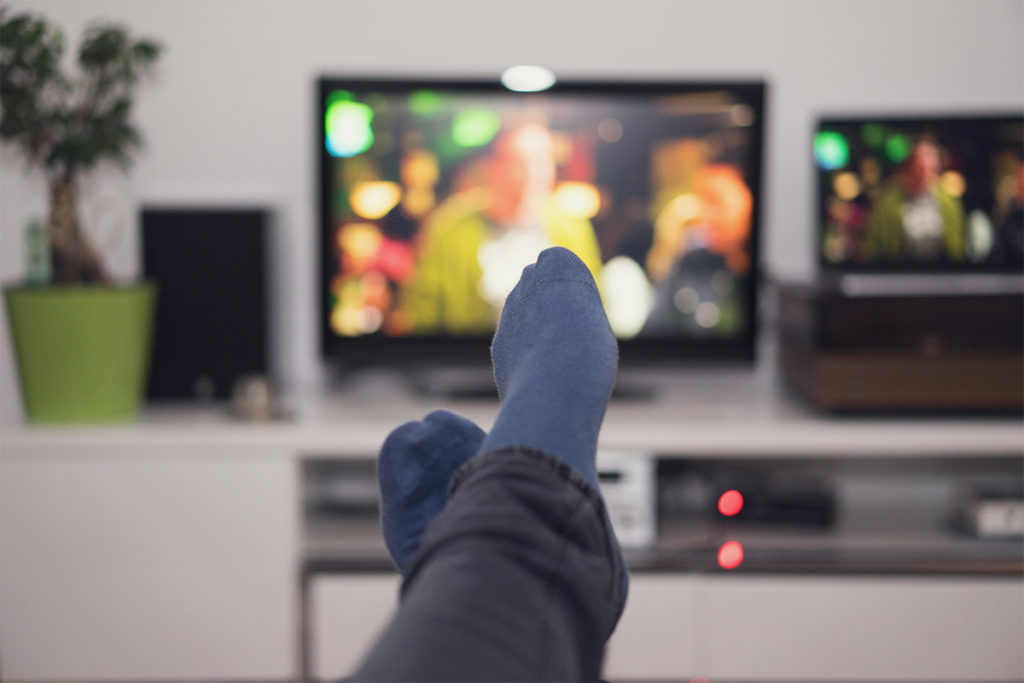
[
  {"x": 939, "y": 196},
  {"x": 435, "y": 194}
]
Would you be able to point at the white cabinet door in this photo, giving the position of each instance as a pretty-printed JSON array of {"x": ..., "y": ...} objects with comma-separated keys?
[
  {"x": 865, "y": 628},
  {"x": 655, "y": 637},
  {"x": 148, "y": 562},
  {"x": 348, "y": 613}
]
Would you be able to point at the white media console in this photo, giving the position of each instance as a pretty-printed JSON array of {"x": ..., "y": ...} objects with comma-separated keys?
[{"x": 176, "y": 547}]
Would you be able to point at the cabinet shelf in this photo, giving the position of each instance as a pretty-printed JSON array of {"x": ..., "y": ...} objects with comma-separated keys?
[{"x": 888, "y": 517}]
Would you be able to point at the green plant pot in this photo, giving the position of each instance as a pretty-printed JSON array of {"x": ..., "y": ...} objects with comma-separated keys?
[{"x": 82, "y": 351}]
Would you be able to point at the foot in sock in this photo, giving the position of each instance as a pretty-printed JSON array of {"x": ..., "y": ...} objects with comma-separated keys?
[
  {"x": 416, "y": 464},
  {"x": 555, "y": 359}
]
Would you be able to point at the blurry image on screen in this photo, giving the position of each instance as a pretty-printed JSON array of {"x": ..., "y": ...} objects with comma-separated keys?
[
  {"x": 921, "y": 194},
  {"x": 438, "y": 199}
]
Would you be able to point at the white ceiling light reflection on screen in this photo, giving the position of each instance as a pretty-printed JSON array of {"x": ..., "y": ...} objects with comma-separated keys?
[{"x": 526, "y": 78}]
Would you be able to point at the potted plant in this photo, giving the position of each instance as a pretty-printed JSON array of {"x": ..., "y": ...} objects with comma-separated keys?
[{"x": 82, "y": 344}]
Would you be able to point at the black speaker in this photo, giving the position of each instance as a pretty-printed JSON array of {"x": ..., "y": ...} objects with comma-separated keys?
[{"x": 210, "y": 267}]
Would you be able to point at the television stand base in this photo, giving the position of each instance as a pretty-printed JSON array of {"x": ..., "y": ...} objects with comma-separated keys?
[
  {"x": 469, "y": 384},
  {"x": 458, "y": 383}
]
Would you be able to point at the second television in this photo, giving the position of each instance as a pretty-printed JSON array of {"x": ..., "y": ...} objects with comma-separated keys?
[
  {"x": 435, "y": 194},
  {"x": 939, "y": 194}
]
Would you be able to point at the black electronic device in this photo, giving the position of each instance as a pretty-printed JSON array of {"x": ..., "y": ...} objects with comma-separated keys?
[
  {"x": 435, "y": 194},
  {"x": 920, "y": 353},
  {"x": 210, "y": 267},
  {"x": 809, "y": 507},
  {"x": 920, "y": 194}
]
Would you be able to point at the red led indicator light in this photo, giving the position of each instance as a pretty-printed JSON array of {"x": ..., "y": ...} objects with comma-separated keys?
[
  {"x": 730, "y": 503},
  {"x": 730, "y": 555}
]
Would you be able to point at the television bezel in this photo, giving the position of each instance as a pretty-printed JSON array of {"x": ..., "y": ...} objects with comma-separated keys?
[
  {"x": 831, "y": 270},
  {"x": 418, "y": 350}
]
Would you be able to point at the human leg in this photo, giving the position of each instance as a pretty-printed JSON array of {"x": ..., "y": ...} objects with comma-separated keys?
[
  {"x": 555, "y": 359},
  {"x": 415, "y": 466},
  {"x": 519, "y": 577}
]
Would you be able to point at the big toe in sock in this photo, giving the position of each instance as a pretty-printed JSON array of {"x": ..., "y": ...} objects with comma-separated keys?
[{"x": 416, "y": 464}]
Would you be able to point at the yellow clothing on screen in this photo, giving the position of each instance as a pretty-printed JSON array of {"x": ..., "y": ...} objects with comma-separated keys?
[
  {"x": 886, "y": 239},
  {"x": 444, "y": 295}
]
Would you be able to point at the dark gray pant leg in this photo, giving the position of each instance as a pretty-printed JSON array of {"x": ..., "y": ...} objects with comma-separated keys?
[{"x": 518, "y": 579}]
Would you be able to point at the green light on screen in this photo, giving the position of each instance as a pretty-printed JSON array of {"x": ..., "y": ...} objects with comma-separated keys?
[
  {"x": 873, "y": 134},
  {"x": 425, "y": 102},
  {"x": 475, "y": 127},
  {"x": 348, "y": 128},
  {"x": 339, "y": 96},
  {"x": 831, "y": 150},
  {"x": 897, "y": 148}
]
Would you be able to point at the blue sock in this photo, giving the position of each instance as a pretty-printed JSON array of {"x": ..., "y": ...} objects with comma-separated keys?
[
  {"x": 416, "y": 464},
  {"x": 555, "y": 359}
]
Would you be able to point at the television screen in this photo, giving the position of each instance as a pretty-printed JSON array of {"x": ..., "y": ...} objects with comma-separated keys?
[
  {"x": 916, "y": 195},
  {"x": 434, "y": 196}
]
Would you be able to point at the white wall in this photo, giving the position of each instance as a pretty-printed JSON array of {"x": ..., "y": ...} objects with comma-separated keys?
[{"x": 230, "y": 117}]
